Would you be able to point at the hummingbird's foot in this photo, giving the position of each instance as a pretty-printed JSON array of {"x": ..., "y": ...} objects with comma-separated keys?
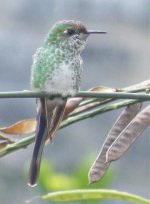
[
  {"x": 64, "y": 97},
  {"x": 52, "y": 97}
]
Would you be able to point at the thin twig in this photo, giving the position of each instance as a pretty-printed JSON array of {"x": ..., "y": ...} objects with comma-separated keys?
[
  {"x": 22, "y": 143},
  {"x": 84, "y": 94},
  {"x": 123, "y": 94}
]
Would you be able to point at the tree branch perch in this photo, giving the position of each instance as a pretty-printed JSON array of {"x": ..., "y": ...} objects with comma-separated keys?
[{"x": 84, "y": 94}]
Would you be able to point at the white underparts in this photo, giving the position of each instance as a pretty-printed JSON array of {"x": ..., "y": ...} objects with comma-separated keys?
[{"x": 62, "y": 81}]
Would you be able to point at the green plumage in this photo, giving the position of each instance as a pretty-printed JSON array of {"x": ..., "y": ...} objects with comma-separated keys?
[
  {"x": 46, "y": 60},
  {"x": 60, "y": 51}
]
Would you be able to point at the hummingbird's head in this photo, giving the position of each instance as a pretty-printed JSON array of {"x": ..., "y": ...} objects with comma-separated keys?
[{"x": 69, "y": 34}]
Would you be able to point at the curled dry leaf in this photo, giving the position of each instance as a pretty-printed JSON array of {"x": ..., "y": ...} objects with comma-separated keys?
[
  {"x": 90, "y": 103},
  {"x": 3, "y": 143},
  {"x": 102, "y": 89},
  {"x": 28, "y": 126},
  {"x": 71, "y": 105},
  {"x": 4, "y": 137},
  {"x": 129, "y": 135},
  {"x": 21, "y": 127},
  {"x": 86, "y": 107},
  {"x": 100, "y": 165}
]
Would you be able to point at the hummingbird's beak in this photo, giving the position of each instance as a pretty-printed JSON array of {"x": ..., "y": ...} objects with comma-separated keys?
[{"x": 96, "y": 32}]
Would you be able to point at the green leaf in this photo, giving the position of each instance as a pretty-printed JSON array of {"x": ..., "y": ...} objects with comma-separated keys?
[{"x": 80, "y": 195}]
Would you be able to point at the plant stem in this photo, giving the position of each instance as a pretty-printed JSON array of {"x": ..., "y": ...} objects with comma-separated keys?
[
  {"x": 23, "y": 143},
  {"x": 97, "y": 111},
  {"x": 84, "y": 94}
]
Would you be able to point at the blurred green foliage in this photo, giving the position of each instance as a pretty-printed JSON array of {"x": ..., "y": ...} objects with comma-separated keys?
[{"x": 51, "y": 181}]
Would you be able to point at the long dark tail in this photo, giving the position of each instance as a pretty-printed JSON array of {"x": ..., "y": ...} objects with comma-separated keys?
[
  {"x": 49, "y": 115},
  {"x": 41, "y": 135}
]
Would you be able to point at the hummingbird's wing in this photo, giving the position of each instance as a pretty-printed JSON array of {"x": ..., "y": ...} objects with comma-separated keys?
[
  {"x": 56, "y": 118},
  {"x": 49, "y": 115}
]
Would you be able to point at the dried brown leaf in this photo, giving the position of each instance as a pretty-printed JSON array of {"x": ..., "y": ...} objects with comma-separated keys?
[
  {"x": 90, "y": 103},
  {"x": 21, "y": 127},
  {"x": 4, "y": 137},
  {"x": 3, "y": 143},
  {"x": 100, "y": 166},
  {"x": 71, "y": 105},
  {"x": 129, "y": 135},
  {"x": 102, "y": 89}
]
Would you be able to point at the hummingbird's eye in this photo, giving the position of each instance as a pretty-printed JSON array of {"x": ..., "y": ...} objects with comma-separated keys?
[{"x": 69, "y": 32}]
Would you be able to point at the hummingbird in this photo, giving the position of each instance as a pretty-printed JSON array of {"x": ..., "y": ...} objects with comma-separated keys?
[{"x": 56, "y": 69}]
